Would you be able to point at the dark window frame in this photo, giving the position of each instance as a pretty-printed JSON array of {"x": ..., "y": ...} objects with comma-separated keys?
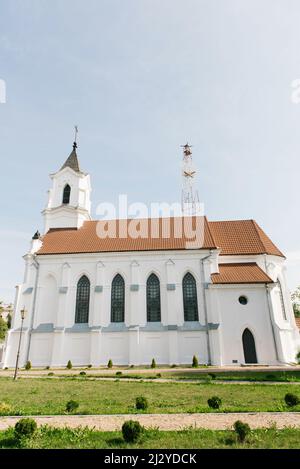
[
  {"x": 153, "y": 299},
  {"x": 66, "y": 194},
  {"x": 190, "y": 298},
  {"x": 117, "y": 313},
  {"x": 82, "y": 300}
]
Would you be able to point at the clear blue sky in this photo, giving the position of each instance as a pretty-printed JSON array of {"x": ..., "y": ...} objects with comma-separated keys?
[{"x": 140, "y": 78}]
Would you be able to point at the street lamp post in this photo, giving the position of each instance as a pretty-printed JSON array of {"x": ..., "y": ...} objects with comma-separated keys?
[{"x": 23, "y": 313}]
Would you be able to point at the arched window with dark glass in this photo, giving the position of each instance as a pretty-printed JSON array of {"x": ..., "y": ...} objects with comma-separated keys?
[
  {"x": 118, "y": 299},
  {"x": 153, "y": 299},
  {"x": 82, "y": 301},
  {"x": 190, "y": 302},
  {"x": 66, "y": 194}
]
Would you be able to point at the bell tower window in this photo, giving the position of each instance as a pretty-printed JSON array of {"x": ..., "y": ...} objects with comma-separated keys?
[{"x": 66, "y": 194}]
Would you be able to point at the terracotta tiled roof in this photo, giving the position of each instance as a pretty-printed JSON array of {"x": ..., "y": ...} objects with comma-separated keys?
[
  {"x": 242, "y": 237},
  {"x": 232, "y": 237},
  {"x": 86, "y": 240},
  {"x": 297, "y": 322},
  {"x": 240, "y": 273}
]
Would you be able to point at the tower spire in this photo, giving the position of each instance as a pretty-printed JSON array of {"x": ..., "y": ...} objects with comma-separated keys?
[
  {"x": 72, "y": 161},
  {"x": 190, "y": 196}
]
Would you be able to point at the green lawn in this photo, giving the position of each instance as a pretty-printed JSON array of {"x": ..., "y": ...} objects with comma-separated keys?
[
  {"x": 42, "y": 396},
  {"x": 47, "y": 437}
]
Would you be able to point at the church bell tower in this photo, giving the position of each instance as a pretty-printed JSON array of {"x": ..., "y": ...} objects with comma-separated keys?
[{"x": 69, "y": 204}]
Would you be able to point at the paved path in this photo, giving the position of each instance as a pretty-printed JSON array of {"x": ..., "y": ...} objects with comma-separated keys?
[{"x": 213, "y": 421}]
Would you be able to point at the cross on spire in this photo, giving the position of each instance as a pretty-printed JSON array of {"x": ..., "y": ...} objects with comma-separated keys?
[{"x": 75, "y": 137}]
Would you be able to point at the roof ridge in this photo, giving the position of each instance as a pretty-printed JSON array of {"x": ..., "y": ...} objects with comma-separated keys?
[{"x": 258, "y": 234}]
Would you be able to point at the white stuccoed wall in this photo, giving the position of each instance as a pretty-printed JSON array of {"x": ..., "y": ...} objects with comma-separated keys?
[{"x": 54, "y": 338}]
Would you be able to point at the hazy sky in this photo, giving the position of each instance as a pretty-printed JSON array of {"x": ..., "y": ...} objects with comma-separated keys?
[{"x": 140, "y": 78}]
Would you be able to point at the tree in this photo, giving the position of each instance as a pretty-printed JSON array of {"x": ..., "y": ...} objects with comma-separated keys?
[
  {"x": 296, "y": 302},
  {"x": 3, "y": 328}
]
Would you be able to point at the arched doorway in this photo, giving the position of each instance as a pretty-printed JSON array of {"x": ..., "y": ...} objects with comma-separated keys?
[{"x": 249, "y": 347}]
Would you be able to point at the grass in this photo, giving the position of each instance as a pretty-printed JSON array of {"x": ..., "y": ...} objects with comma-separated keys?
[
  {"x": 48, "y": 396},
  {"x": 84, "y": 438}
]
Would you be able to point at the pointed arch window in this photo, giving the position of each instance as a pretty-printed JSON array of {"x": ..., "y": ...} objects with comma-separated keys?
[
  {"x": 82, "y": 301},
  {"x": 153, "y": 299},
  {"x": 118, "y": 299},
  {"x": 66, "y": 194},
  {"x": 190, "y": 302}
]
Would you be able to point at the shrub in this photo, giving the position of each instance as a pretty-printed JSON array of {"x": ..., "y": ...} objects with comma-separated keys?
[
  {"x": 47, "y": 368},
  {"x": 141, "y": 403},
  {"x": 90, "y": 366},
  {"x": 71, "y": 406},
  {"x": 132, "y": 431},
  {"x": 298, "y": 357},
  {"x": 195, "y": 363},
  {"x": 242, "y": 430},
  {"x": 119, "y": 373},
  {"x": 291, "y": 400},
  {"x": 28, "y": 365},
  {"x": 153, "y": 363},
  {"x": 51, "y": 373},
  {"x": 214, "y": 402},
  {"x": 212, "y": 375},
  {"x": 25, "y": 428},
  {"x": 109, "y": 364},
  {"x": 69, "y": 365},
  {"x": 82, "y": 373},
  {"x": 5, "y": 409},
  {"x": 173, "y": 366},
  {"x": 158, "y": 375}
]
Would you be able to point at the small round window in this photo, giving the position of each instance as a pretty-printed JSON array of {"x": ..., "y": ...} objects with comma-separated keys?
[{"x": 243, "y": 300}]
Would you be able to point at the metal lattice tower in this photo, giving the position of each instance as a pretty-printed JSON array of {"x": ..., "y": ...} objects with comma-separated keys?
[{"x": 190, "y": 196}]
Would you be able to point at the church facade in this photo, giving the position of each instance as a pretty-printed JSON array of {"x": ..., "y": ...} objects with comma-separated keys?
[{"x": 90, "y": 298}]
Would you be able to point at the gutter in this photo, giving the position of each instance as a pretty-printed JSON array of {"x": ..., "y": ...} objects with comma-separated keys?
[{"x": 37, "y": 265}]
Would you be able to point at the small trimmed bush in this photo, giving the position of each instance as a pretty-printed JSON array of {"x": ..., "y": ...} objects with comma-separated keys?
[
  {"x": 195, "y": 362},
  {"x": 69, "y": 365},
  {"x": 109, "y": 364},
  {"x": 119, "y": 373},
  {"x": 5, "y": 409},
  {"x": 47, "y": 368},
  {"x": 173, "y": 366},
  {"x": 71, "y": 406},
  {"x": 51, "y": 373},
  {"x": 132, "y": 431},
  {"x": 158, "y": 375},
  {"x": 90, "y": 366},
  {"x": 242, "y": 430},
  {"x": 214, "y": 402},
  {"x": 141, "y": 403},
  {"x": 28, "y": 365},
  {"x": 25, "y": 428},
  {"x": 82, "y": 373},
  {"x": 291, "y": 400},
  {"x": 153, "y": 363}
]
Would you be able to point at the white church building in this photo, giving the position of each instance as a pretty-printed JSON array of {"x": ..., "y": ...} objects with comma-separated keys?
[{"x": 90, "y": 298}]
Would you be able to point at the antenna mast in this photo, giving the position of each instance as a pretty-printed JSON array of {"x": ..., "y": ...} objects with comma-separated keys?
[{"x": 190, "y": 196}]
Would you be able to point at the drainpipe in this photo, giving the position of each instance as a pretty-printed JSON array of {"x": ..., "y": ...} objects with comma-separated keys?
[
  {"x": 37, "y": 265},
  {"x": 205, "y": 308}
]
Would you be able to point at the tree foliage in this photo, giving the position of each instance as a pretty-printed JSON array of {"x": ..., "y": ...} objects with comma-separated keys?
[{"x": 296, "y": 302}]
